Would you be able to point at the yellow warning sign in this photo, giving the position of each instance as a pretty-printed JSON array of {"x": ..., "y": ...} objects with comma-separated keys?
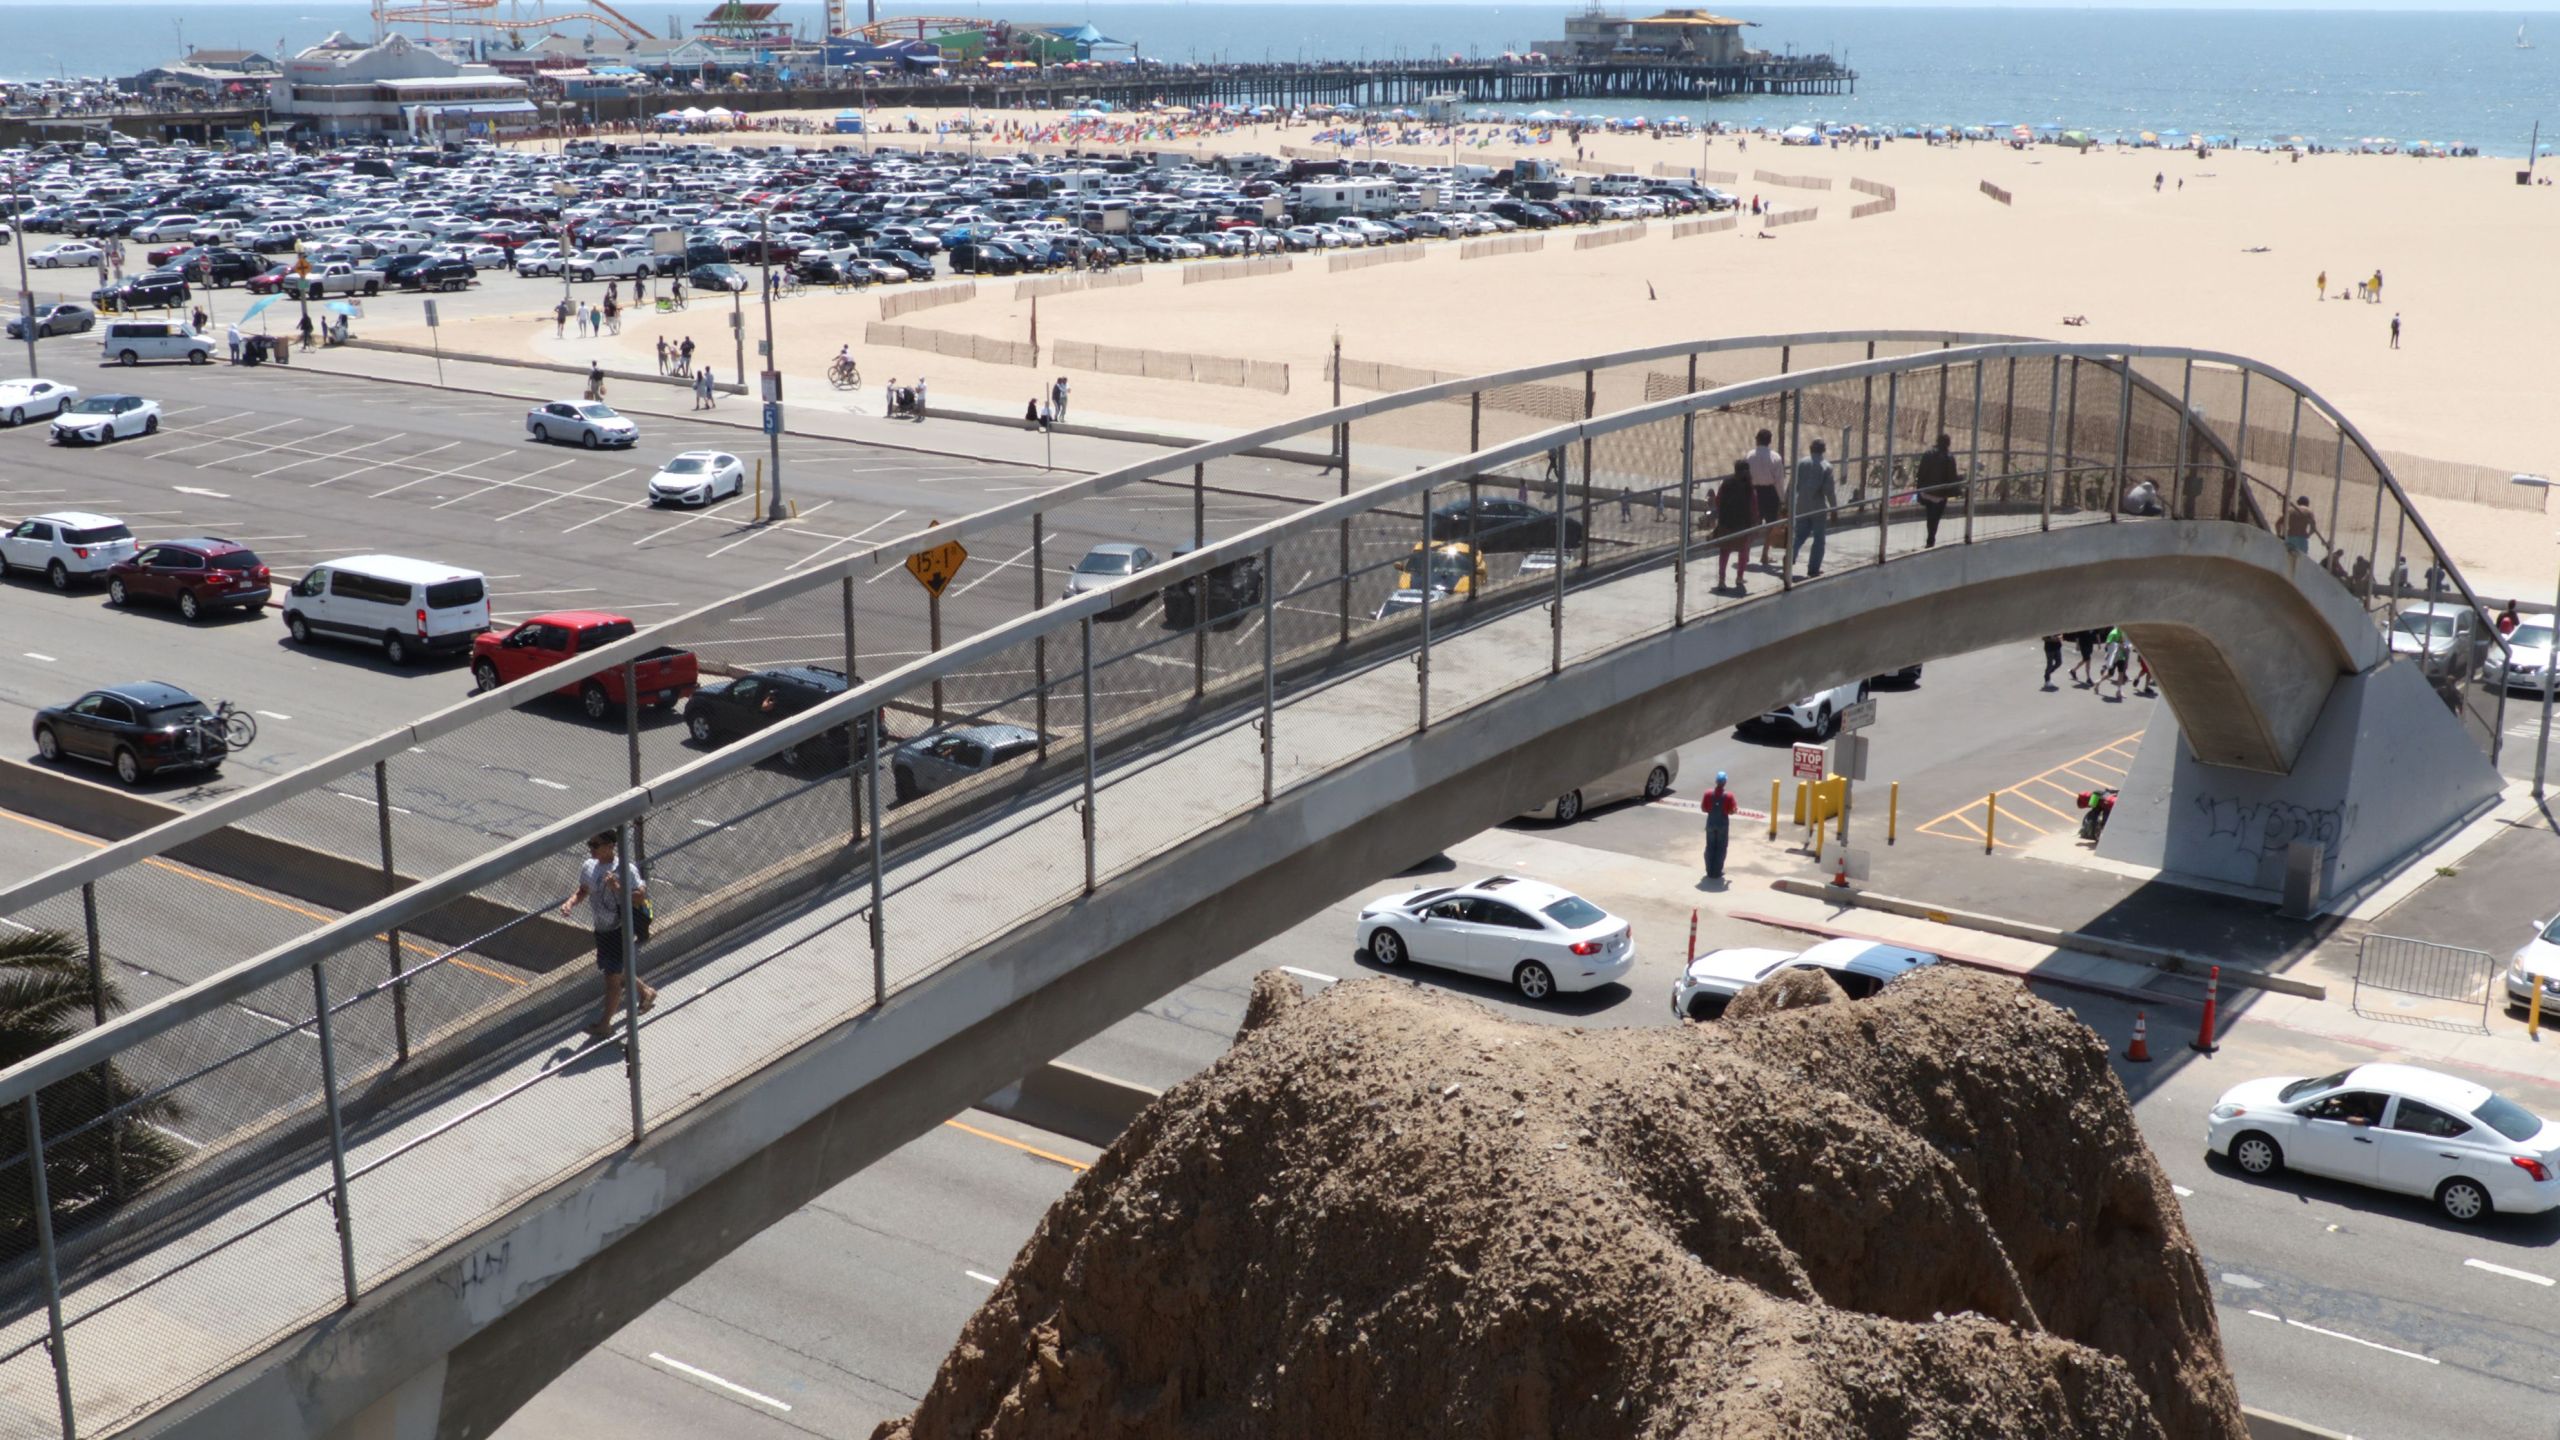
[{"x": 937, "y": 567}]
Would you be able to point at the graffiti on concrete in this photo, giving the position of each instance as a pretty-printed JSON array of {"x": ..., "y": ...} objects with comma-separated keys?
[{"x": 2265, "y": 827}]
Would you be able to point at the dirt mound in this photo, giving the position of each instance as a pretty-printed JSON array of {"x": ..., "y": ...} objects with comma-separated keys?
[
  {"x": 1786, "y": 990},
  {"x": 1389, "y": 1212}
]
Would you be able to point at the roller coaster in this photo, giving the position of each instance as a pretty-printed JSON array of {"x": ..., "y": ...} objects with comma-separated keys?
[{"x": 481, "y": 15}]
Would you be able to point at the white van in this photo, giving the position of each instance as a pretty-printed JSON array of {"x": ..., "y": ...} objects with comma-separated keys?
[
  {"x": 130, "y": 342},
  {"x": 411, "y": 608}
]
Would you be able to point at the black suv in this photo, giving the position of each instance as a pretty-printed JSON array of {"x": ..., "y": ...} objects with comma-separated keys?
[
  {"x": 441, "y": 272},
  {"x": 140, "y": 730},
  {"x": 217, "y": 268},
  {"x": 718, "y": 714},
  {"x": 142, "y": 292},
  {"x": 1496, "y": 523}
]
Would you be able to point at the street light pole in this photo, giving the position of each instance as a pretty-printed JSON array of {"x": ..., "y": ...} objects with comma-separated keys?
[
  {"x": 2550, "y": 659},
  {"x": 772, "y": 388}
]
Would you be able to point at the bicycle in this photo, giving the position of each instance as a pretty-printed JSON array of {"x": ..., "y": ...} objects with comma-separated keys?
[
  {"x": 233, "y": 729},
  {"x": 845, "y": 374}
]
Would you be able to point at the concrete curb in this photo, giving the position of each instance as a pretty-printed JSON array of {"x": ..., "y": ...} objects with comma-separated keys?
[
  {"x": 1072, "y": 1101},
  {"x": 2165, "y": 960},
  {"x": 1971, "y": 962}
]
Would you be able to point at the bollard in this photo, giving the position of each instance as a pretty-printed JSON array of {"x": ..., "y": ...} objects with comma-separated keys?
[
  {"x": 2203, "y": 1043},
  {"x": 1892, "y": 809},
  {"x": 1773, "y": 808},
  {"x": 1819, "y": 830},
  {"x": 1990, "y": 819},
  {"x": 2139, "y": 1052},
  {"x": 1693, "y": 934},
  {"x": 2533, "y": 1020}
]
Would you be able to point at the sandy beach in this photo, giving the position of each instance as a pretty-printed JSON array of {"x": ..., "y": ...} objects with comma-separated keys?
[{"x": 2223, "y": 255}]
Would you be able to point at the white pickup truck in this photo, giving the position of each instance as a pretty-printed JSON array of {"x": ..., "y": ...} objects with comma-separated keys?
[
  {"x": 338, "y": 277},
  {"x": 613, "y": 262}
]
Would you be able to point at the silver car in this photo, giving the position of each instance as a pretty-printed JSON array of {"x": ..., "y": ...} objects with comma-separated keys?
[
  {"x": 1105, "y": 566},
  {"x": 932, "y": 762},
  {"x": 1650, "y": 778},
  {"x": 588, "y": 422}
]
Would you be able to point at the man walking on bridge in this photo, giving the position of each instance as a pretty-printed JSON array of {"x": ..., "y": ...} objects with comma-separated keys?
[
  {"x": 600, "y": 884},
  {"x": 1816, "y": 492}
]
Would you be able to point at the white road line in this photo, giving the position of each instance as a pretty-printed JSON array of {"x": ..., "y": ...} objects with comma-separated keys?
[
  {"x": 1317, "y": 975},
  {"x": 705, "y": 513},
  {"x": 334, "y": 454},
  {"x": 847, "y": 539},
  {"x": 2510, "y": 1274},
  {"x": 279, "y": 445},
  {"x": 367, "y": 800},
  {"x": 994, "y": 570},
  {"x": 2351, "y": 1339},
  {"x": 565, "y": 590},
  {"x": 379, "y": 464},
  {"x": 507, "y": 484},
  {"x": 437, "y": 474},
  {"x": 2181, "y": 1191},
  {"x": 270, "y": 714},
  {"x": 32, "y": 655},
  {"x": 708, "y": 1378},
  {"x": 198, "y": 490},
  {"x": 546, "y": 784},
  {"x": 766, "y": 530},
  {"x": 607, "y": 515},
  {"x": 225, "y": 439},
  {"x": 568, "y": 494},
  {"x": 982, "y": 1278}
]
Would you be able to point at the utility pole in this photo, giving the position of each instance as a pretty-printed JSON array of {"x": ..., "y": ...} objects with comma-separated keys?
[{"x": 772, "y": 389}]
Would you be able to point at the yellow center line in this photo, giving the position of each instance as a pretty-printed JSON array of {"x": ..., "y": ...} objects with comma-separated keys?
[
  {"x": 1010, "y": 1143},
  {"x": 94, "y": 843}
]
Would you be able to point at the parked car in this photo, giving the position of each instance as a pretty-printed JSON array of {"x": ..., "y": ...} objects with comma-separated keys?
[
  {"x": 1104, "y": 566},
  {"x": 99, "y": 419},
  {"x": 1861, "y": 968},
  {"x": 1221, "y": 598},
  {"x": 22, "y": 398},
  {"x": 139, "y": 730},
  {"x": 2447, "y": 637},
  {"x": 67, "y": 317},
  {"x": 68, "y": 252},
  {"x": 1650, "y": 777},
  {"x": 698, "y": 477},
  {"x": 267, "y": 281},
  {"x": 65, "y": 545},
  {"x": 198, "y": 574},
  {"x": 2537, "y": 956},
  {"x": 947, "y": 757},
  {"x": 2526, "y": 665},
  {"x": 591, "y": 423},
  {"x": 410, "y": 608},
  {"x": 727, "y": 279},
  {"x": 728, "y": 710},
  {"x": 1817, "y": 714},
  {"x": 338, "y": 277},
  {"x": 130, "y": 342},
  {"x": 2395, "y": 1127},
  {"x": 1498, "y": 523},
  {"x": 1535, "y": 937},
  {"x": 434, "y": 272},
  {"x": 663, "y": 677},
  {"x": 142, "y": 292}
]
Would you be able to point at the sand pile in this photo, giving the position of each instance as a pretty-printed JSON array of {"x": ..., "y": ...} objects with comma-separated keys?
[{"x": 1389, "y": 1212}]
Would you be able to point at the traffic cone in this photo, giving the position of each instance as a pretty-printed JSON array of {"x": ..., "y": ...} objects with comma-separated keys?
[
  {"x": 1840, "y": 877},
  {"x": 2204, "y": 1044},
  {"x": 2139, "y": 1052}
]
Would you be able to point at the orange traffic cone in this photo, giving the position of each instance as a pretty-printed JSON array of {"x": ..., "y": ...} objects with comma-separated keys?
[
  {"x": 1840, "y": 877},
  {"x": 2139, "y": 1052}
]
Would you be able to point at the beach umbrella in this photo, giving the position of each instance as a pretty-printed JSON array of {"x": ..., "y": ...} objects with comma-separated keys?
[
  {"x": 252, "y": 312},
  {"x": 2148, "y": 138},
  {"x": 341, "y": 307}
]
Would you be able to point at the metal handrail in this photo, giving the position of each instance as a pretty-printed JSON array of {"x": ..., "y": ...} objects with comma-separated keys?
[
  {"x": 270, "y": 793},
  {"x": 105, "y": 1041}
]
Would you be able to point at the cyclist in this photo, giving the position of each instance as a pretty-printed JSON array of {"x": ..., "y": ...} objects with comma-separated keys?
[{"x": 844, "y": 371}]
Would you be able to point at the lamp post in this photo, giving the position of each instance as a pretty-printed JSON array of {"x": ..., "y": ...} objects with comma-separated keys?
[
  {"x": 2550, "y": 657},
  {"x": 771, "y": 390}
]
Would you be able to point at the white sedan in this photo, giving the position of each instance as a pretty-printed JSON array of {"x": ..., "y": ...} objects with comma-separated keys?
[
  {"x": 591, "y": 423},
  {"x": 2537, "y": 956},
  {"x": 102, "y": 418},
  {"x": 698, "y": 477},
  {"x": 1862, "y": 967},
  {"x": 2395, "y": 1127},
  {"x": 20, "y": 399},
  {"x": 69, "y": 252},
  {"x": 2526, "y": 665},
  {"x": 1535, "y": 937}
]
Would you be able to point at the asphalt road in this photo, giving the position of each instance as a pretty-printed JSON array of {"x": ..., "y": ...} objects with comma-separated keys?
[{"x": 2343, "y": 1307}]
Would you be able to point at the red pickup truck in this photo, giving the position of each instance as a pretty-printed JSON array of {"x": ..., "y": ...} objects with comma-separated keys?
[{"x": 664, "y": 676}]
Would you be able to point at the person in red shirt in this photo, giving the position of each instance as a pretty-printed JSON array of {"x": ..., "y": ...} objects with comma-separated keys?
[{"x": 1719, "y": 806}]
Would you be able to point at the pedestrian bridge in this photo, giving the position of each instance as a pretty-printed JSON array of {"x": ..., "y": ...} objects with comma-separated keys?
[{"x": 405, "y": 1229}]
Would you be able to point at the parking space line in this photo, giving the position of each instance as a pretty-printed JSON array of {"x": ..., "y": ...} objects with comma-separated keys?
[
  {"x": 220, "y": 439},
  {"x": 607, "y": 515},
  {"x": 508, "y": 484},
  {"x": 379, "y": 464},
  {"x": 705, "y": 513},
  {"x": 994, "y": 570},
  {"x": 845, "y": 540},
  {"x": 767, "y": 529},
  {"x": 279, "y": 445},
  {"x": 572, "y": 494},
  {"x": 1959, "y": 824},
  {"x": 435, "y": 474}
]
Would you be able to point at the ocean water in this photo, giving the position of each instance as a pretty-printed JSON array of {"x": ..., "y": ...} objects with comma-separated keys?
[{"x": 2332, "y": 76}]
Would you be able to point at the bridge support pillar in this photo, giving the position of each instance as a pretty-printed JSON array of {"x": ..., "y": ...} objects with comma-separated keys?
[
  {"x": 410, "y": 1412},
  {"x": 2385, "y": 773}
]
